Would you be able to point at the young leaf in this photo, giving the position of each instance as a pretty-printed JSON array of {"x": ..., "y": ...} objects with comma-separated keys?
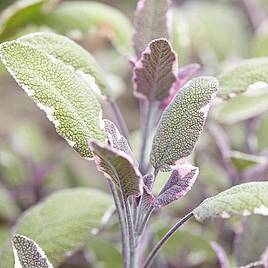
[
  {"x": 118, "y": 167},
  {"x": 177, "y": 186},
  {"x": 78, "y": 18},
  {"x": 70, "y": 53},
  {"x": 151, "y": 22},
  {"x": 28, "y": 254},
  {"x": 237, "y": 80},
  {"x": 182, "y": 122},
  {"x": 57, "y": 89},
  {"x": 62, "y": 224},
  {"x": 245, "y": 199},
  {"x": 155, "y": 72}
]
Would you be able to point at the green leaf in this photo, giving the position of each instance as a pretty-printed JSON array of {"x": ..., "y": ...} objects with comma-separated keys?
[
  {"x": 77, "y": 18},
  {"x": 28, "y": 254},
  {"x": 244, "y": 199},
  {"x": 150, "y": 22},
  {"x": 261, "y": 132},
  {"x": 68, "y": 101},
  {"x": 118, "y": 167},
  {"x": 237, "y": 79},
  {"x": 63, "y": 223},
  {"x": 70, "y": 53},
  {"x": 182, "y": 122}
]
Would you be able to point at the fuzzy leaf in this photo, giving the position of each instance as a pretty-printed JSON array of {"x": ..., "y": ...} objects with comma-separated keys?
[
  {"x": 78, "y": 18},
  {"x": 237, "y": 79},
  {"x": 151, "y": 22},
  {"x": 118, "y": 167},
  {"x": 57, "y": 89},
  {"x": 177, "y": 186},
  {"x": 182, "y": 122},
  {"x": 155, "y": 72},
  {"x": 70, "y": 53},
  {"x": 61, "y": 224},
  {"x": 245, "y": 199},
  {"x": 28, "y": 254}
]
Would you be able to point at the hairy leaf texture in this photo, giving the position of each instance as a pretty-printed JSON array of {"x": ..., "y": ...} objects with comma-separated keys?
[
  {"x": 118, "y": 167},
  {"x": 177, "y": 186},
  {"x": 155, "y": 72},
  {"x": 244, "y": 199},
  {"x": 151, "y": 22},
  {"x": 237, "y": 79},
  {"x": 56, "y": 88},
  {"x": 182, "y": 122},
  {"x": 28, "y": 254}
]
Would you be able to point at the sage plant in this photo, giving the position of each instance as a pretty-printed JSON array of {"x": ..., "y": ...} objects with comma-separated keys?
[{"x": 66, "y": 82}]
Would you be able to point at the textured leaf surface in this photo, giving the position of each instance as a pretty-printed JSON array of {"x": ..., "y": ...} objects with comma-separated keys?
[
  {"x": 62, "y": 223},
  {"x": 178, "y": 185},
  {"x": 28, "y": 254},
  {"x": 182, "y": 122},
  {"x": 78, "y": 18},
  {"x": 118, "y": 167},
  {"x": 155, "y": 72},
  {"x": 70, "y": 53},
  {"x": 57, "y": 89},
  {"x": 237, "y": 79},
  {"x": 245, "y": 199},
  {"x": 151, "y": 22}
]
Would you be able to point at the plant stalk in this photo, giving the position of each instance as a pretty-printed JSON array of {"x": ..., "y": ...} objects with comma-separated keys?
[{"x": 158, "y": 246}]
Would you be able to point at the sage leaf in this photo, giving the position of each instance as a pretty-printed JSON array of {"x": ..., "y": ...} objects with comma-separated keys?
[
  {"x": 57, "y": 89},
  {"x": 150, "y": 22},
  {"x": 178, "y": 185},
  {"x": 28, "y": 254},
  {"x": 62, "y": 223},
  {"x": 237, "y": 79},
  {"x": 118, "y": 167},
  {"x": 182, "y": 122},
  {"x": 70, "y": 53},
  {"x": 155, "y": 72},
  {"x": 244, "y": 199}
]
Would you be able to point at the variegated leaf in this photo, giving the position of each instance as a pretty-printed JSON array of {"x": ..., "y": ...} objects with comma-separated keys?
[
  {"x": 178, "y": 185},
  {"x": 151, "y": 22},
  {"x": 155, "y": 72},
  {"x": 237, "y": 79},
  {"x": 70, "y": 53},
  {"x": 118, "y": 167},
  {"x": 28, "y": 254},
  {"x": 182, "y": 122},
  {"x": 244, "y": 199},
  {"x": 56, "y": 88}
]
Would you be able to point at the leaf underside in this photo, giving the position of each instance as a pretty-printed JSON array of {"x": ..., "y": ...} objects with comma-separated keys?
[
  {"x": 245, "y": 199},
  {"x": 155, "y": 72},
  {"x": 182, "y": 122}
]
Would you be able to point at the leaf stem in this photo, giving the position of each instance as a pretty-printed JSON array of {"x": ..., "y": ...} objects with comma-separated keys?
[
  {"x": 145, "y": 221},
  {"x": 158, "y": 246},
  {"x": 252, "y": 264}
]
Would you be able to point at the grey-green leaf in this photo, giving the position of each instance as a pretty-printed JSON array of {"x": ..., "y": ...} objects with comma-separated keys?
[
  {"x": 237, "y": 79},
  {"x": 57, "y": 89},
  {"x": 151, "y": 22},
  {"x": 28, "y": 254},
  {"x": 62, "y": 223},
  {"x": 118, "y": 167},
  {"x": 244, "y": 199},
  {"x": 182, "y": 122},
  {"x": 70, "y": 53}
]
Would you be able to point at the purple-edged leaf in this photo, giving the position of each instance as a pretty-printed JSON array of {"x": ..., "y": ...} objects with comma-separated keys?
[
  {"x": 147, "y": 200},
  {"x": 28, "y": 254},
  {"x": 155, "y": 72},
  {"x": 148, "y": 181},
  {"x": 119, "y": 167},
  {"x": 151, "y": 22},
  {"x": 183, "y": 76},
  {"x": 178, "y": 185},
  {"x": 182, "y": 122},
  {"x": 117, "y": 140},
  {"x": 221, "y": 255}
]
